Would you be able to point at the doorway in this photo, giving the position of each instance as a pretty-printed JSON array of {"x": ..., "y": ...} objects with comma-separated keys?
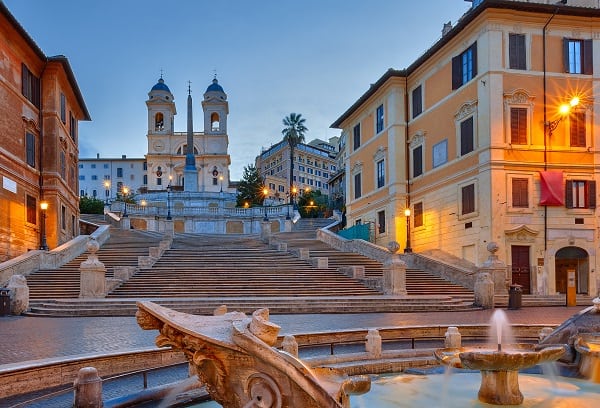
[
  {"x": 572, "y": 259},
  {"x": 521, "y": 267}
]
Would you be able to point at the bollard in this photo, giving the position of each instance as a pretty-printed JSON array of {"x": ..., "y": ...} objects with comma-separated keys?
[
  {"x": 453, "y": 338},
  {"x": 87, "y": 389},
  {"x": 373, "y": 345},
  {"x": 290, "y": 345}
]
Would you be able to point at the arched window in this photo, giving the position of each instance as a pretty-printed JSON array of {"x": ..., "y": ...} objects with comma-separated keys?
[
  {"x": 214, "y": 121},
  {"x": 183, "y": 150},
  {"x": 159, "y": 121}
]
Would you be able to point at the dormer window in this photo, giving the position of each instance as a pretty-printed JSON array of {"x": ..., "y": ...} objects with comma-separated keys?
[
  {"x": 214, "y": 121},
  {"x": 159, "y": 122}
]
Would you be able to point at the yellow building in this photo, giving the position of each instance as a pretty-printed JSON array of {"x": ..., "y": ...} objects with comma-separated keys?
[{"x": 472, "y": 138}]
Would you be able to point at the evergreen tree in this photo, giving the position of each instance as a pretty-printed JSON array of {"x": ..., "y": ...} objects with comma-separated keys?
[
  {"x": 91, "y": 205},
  {"x": 250, "y": 188}
]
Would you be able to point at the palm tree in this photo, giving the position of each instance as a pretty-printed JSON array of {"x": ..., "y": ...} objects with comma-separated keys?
[{"x": 293, "y": 134}]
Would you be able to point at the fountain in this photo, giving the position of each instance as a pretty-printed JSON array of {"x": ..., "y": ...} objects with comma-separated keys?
[
  {"x": 234, "y": 358},
  {"x": 499, "y": 365},
  {"x": 588, "y": 347}
]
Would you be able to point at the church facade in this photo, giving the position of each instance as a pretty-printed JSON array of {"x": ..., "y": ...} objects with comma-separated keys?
[{"x": 169, "y": 160}]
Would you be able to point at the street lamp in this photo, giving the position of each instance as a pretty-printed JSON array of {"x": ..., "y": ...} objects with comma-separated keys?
[
  {"x": 125, "y": 193},
  {"x": 169, "y": 201},
  {"x": 221, "y": 179},
  {"x": 564, "y": 110},
  {"x": 107, "y": 190},
  {"x": 43, "y": 207},
  {"x": 265, "y": 192},
  {"x": 294, "y": 192},
  {"x": 408, "y": 249}
]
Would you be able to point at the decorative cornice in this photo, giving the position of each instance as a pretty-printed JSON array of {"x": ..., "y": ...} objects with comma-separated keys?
[{"x": 467, "y": 109}]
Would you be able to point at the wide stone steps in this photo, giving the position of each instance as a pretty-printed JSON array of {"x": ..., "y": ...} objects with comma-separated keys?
[{"x": 276, "y": 305}]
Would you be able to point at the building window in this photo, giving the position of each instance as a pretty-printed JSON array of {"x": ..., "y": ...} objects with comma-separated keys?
[
  {"x": 518, "y": 125},
  {"x": 63, "y": 217},
  {"x": 418, "y": 215},
  {"x": 577, "y": 129},
  {"x": 94, "y": 193},
  {"x": 417, "y": 160},
  {"x": 159, "y": 122},
  {"x": 30, "y": 148},
  {"x": 578, "y": 56},
  {"x": 215, "y": 181},
  {"x": 380, "y": 173},
  {"x": 467, "y": 141},
  {"x": 417, "y": 101},
  {"x": 31, "y": 203},
  {"x": 520, "y": 192},
  {"x": 159, "y": 181},
  {"x": 145, "y": 179},
  {"x": 468, "y": 199},
  {"x": 63, "y": 108},
  {"x": 94, "y": 177},
  {"x": 440, "y": 153},
  {"x": 72, "y": 126},
  {"x": 144, "y": 166},
  {"x": 93, "y": 166},
  {"x": 81, "y": 193},
  {"x": 379, "y": 118},
  {"x": 357, "y": 185},
  {"x": 30, "y": 86},
  {"x": 381, "y": 222},
  {"x": 464, "y": 67},
  {"x": 516, "y": 51},
  {"x": 105, "y": 165},
  {"x": 63, "y": 166},
  {"x": 119, "y": 172},
  {"x": 81, "y": 177},
  {"x": 580, "y": 194},
  {"x": 356, "y": 139}
]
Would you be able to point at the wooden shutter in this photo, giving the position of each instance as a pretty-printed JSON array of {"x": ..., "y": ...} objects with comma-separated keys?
[
  {"x": 418, "y": 216},
  {"x": 516, "y": 51},
  {"x": 468, "y": 199},
  {"x": 474, "y": 50},
  {"x": 30, "y": 149},
  {"x": 466, "y": 136},
  {"x": 456, "y": 72},
  {"x": 418, "y": 161},
  {"x": 591, "y": 194},
  {"x": 566, "y": 54},
  {"x": 577, "y": 129},
  {"x": 518, "y": 125},
  {"x": 520, "y": 194},
  {"x": 569, "y": 194},
  {"x": 587, "y": 64}
]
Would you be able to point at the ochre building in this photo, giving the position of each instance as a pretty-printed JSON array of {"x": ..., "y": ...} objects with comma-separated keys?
[{"x": 492, "y": 135}]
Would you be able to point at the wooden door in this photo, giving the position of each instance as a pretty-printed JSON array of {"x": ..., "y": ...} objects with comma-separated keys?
[{"x": 521, "y": 267}]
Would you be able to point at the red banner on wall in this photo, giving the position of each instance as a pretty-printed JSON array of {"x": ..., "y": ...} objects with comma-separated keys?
[{"x": 553, "y": 188}]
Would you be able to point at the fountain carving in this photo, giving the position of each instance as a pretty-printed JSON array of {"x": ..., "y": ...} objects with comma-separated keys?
[
  {"x": 234, "y": 358},
  {"x": 499, "y": 365}
]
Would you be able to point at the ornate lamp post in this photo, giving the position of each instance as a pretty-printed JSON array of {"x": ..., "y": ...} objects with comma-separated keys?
[
  {"x": 265, "y": 192},
  {"x": 564, "y": 110},
  {"x": 221, "y": 179},
  {"x": 169, "y": 202},
  {"x": 294, "y": 192},
  {"x": 408, "y": 249},
  {"x": 43, "y": 207},
  {"x": 125, "y": 193},
  {"x": 106, "y": 190}
]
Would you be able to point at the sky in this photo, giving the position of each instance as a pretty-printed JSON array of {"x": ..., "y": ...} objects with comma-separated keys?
[{"x": 272, "y": 57}]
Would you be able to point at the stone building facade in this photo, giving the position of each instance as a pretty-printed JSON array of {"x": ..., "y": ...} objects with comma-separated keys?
[
  {"x": 105, "y": 177},
  {"x": 41, "y": 107},
  {"x": 471, "y": 138}
]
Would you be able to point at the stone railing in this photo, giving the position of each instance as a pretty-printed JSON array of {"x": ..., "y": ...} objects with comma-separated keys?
[
  {"x": 358, "y": 246},
  {"x": 453, "y": 273},
  {"x": 34, "y": 260}
]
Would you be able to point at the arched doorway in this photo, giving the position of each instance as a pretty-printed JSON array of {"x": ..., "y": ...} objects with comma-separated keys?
[{"x": 572, "y": 259}]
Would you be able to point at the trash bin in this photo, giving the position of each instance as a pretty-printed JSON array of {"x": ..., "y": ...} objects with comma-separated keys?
[
  {"x": 515, "y": 296},
  {"x": 4, "y": 302}
]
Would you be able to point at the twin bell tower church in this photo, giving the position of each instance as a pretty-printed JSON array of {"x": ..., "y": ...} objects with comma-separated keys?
[{"x": 187, "y": 161}]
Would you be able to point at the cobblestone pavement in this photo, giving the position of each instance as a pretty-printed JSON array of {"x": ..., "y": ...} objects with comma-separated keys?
[{"x": 33, "y": 338}]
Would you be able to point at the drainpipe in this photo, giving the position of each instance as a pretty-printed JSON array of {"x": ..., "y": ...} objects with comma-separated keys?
[
  {"x": 545, "y": 116},
  {"x": 406, "y": 145},
  {"x": 41, "y": 147}
]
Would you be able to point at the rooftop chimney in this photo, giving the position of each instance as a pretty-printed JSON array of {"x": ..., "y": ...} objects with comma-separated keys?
[{"x": 447, "y": 28}]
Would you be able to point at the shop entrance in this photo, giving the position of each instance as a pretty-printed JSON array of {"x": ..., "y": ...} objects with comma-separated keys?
[{"x": 572, "y": 259}]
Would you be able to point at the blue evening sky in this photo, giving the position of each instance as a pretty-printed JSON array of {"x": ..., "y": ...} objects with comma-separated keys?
[{"x": 272, "y": 57}]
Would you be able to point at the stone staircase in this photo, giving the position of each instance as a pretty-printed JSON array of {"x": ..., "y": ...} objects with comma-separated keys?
[
  {"x": 122, "y": 249},
  {"x": 418, "y": 281}
]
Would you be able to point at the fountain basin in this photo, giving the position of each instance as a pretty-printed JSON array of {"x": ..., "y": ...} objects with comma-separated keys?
[
  {"x": 499, "y": 368},
  {"x": 588, "y": 346}
]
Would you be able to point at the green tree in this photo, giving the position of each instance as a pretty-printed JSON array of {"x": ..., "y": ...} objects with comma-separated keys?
[
  {"x": 91, "y": 205},
  {"x": 312, "y": 204},
  {"x": 293, "y": 134},
  {"x": 250, "y": 188}
]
